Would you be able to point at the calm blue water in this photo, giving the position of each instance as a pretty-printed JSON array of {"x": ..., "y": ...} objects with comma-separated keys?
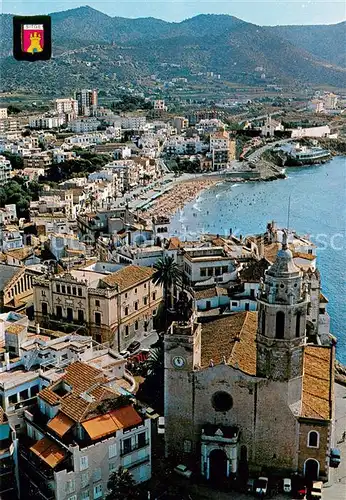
[{"x": 318, "y": 200}]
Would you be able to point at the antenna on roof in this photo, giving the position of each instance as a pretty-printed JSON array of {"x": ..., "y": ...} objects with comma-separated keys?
[{"x": 288, "y": 213}]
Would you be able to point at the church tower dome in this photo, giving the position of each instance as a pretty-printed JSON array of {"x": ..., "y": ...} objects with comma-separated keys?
[{"x": 282, "y": 309}]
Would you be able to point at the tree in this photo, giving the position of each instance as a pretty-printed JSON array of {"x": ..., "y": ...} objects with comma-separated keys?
[
  {"x": 154, "y": 364},
  {"x": 121, "y": 486},
  {"x": 166, "y": 274}
]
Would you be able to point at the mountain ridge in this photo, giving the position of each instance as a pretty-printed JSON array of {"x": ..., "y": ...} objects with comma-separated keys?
[{"x": 207, "y": 42}]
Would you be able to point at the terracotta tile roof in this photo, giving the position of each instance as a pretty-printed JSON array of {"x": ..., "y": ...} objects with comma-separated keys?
[
  {"x": 49, "y": 396},
  {"x": 60, "y": 424},
  {"x": 208, "y": 293},
  {"x": 3, "y": 417},
  {"x": 303, "y": 255},
  {"x": 317, "y": 380},
  {"x": 103, "y": 425},
  {"x": 128, "y": 277},
  {"x": 20, "y": 253},
  {"x": 323, "y": 299},
  {"x": 233, "y": 338},
  {"x": 49, "y": 451},
  {"x": 174, "y": 243},
  {"x": 15, "y": 329}
]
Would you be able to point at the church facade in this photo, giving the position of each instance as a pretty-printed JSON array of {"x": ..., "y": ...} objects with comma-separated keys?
[{"x": 246, "y": 392}]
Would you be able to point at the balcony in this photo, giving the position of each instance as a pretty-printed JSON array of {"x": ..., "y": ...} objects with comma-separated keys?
[
  {"x": 127, "y": 451},
  {"x": 138, "y": 462}
]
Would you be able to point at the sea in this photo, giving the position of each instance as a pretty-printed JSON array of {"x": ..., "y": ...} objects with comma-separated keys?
[{"x": 311, "y": 200}]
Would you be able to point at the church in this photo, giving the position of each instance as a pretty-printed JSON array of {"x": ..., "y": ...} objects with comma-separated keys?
[{"x": 247, "y": 391}]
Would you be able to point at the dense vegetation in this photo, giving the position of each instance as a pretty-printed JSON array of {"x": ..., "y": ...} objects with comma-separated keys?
[
  {"x": 131, "y": 103},
  {"x": 16, "y": 160},
  {"x": 129, "y": 49},
  {"x": 20, "y": 193},
  {"x": 81, "y": 167}
]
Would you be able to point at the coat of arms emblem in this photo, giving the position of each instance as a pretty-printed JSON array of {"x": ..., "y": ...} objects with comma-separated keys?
[{"x": 32, "y": 38}]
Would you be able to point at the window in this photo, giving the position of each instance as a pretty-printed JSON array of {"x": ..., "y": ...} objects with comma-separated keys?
[
  {"x": 112, "y": 450},
  {"x": 310, "y": 251},
  {"x": 69, "y": 311},
  {"x": 210, "y": 271},
  {"x": 135, "y": 290},
  {"x": 247, "y": 306},
  {"x": 141, "y": 439},
  {"x": 280, "y": 325},
  {"x": 217, "y": 271},
  {"x": 154, "y": 296},
  {"x": 57, "y": 288},
  {"x": 30, "y": 431},
  {"x": 187, "y": 446},
  {"x": 126, "y": 311},
  {"x": 224, "y": 269},
  {"x": 83, "y": 463},
  {"x": 313, "y": 439},
  {"x": 84, "y": 495},
  {"x": 145, "y": 285},
  {"x": 98, "y": 491},
  {"x": 59, "y": 311},
  {"x": 74, "y": 497},
  {"x": 80, "y": 316},
  {"x": 126, "y": 331},
  {"x": 125, "y": 295},
  {"x": 234, "y": 304},
  {"x": 69, "y": 289},
  {"x": 70, "y": 486},
  {"x": 222, "y": 401},
  {"x": 126, "y": 446},
  {"x": 136, "y": 325},
  {"x": 98, "y": 318},
  {"x": 84, "y": 480},
  {"x": 97, "y": 303},
  {"x": 74, "y": 290},
  {"x": 145, "y": 300},
  {"x": 136, "y": 306},
  {"x": 63, "y": 289},
  {"x": 44, "y": 308},
  {"x": 298, "y": 324},
  {"x": 79, "y": 292},
  {"x": 208, "y": 304},
  {"x": 252, "y": 292},
  {"x": 263, "y": 320},
  {"x": 97, "y": 474},
  {"x": 112, "y": 467},
  {"x": 154, "y": 312},
  {"x": 203, "y": 272}
]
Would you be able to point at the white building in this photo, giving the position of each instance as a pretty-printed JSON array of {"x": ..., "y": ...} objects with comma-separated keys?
[
  {"x": 82, "y": 125},
  {"x": 330, "y": 101},
  {"x": 316, "y": 105},
  {"x": 133, "y": 122},
  {"x": 8, "y": 214},
  {"x": 159, "y": 105},
  {"x": 66, "y": 106},
  {"x": 270, "y": 127},
  {"x": 5, "y": 170},
  {"x": 322, "y": 131},
  {"x": 3, "y": 113},
  {"x": 47, "y": 122}
]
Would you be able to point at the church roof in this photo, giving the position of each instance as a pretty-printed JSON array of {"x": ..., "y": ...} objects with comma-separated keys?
[
  {"x": 255, "y": 271},
  {"x": 317, "y": 382},
  {"x": 231, "y": 338}
]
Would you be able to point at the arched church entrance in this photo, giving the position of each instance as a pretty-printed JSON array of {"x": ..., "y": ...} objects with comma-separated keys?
[
  {"x": 311, "y": 469},
  {"x": 218, "y": 466}
]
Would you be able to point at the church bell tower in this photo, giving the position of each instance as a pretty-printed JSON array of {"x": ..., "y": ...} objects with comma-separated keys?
[{"x": 282, "y": 309}]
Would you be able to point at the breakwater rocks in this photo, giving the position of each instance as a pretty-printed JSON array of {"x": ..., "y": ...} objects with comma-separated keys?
[{"x": 340, "y": 373}]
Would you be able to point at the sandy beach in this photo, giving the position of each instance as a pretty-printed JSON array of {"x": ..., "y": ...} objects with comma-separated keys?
[{"x": 179, "y": 195}]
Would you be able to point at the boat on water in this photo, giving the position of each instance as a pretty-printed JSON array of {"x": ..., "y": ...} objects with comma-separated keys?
[{"x": 297, "y": 155}]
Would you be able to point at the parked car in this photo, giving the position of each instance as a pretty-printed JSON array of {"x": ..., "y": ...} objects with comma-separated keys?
[
  {"x": 124, "y": 353},
  {"x": 161, "y": 425},
  {"x": 261, "y": 486},
  {"x": 134, "y": 346},
  {"x": 287, "y": 485},
  {"x": 316, "y": 490},
  {"x": 182, "y": 470},
  {"x": 301, "y": 492},
  {"x": 335, "y": 457}
]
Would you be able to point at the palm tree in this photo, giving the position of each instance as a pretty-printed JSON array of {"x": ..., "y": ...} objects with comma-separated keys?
[
  {"x": 154, "y": 364},
  {"x": 122, "y": 486},
  {"x": 167, "y": 274}
]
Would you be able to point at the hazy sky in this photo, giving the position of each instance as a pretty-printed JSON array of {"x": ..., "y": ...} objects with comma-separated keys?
[{"x": 255, "y": 11}]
